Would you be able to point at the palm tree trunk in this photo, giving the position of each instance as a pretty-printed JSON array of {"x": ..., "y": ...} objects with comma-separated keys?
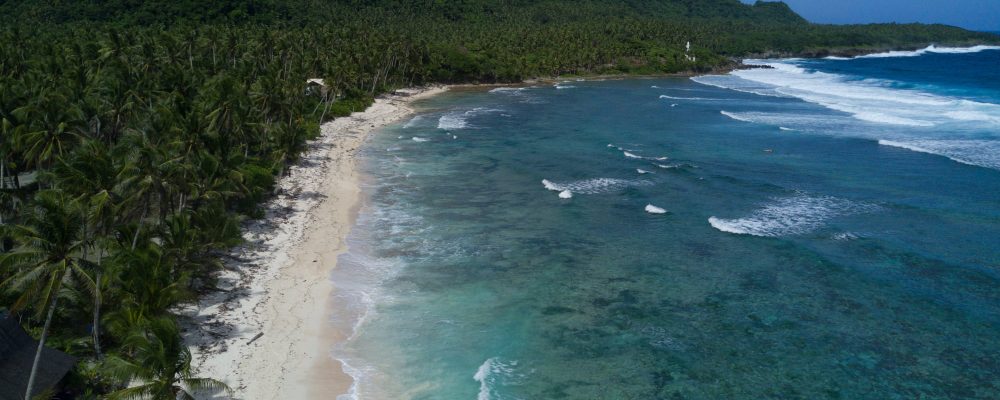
[
  {"x": 97, "y": 292},
  {"x": 97, "y": 317},
  {"x": 97, "y": 306},
  {"x": 135, "y": 239},
  {"x": 41, "y": 341}
]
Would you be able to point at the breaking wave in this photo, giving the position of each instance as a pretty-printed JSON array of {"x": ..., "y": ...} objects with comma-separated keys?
[
  {"x": 804, "y": 122},
  {"x": 982, "y": 153},
  {"x": 492, "y": 374},
  {"x": 867, "y": 100},
  {"x": 593, "y": 186},
  {"x": 508, "y": 90},
  {"x": 736, "y": 116},
  {"x": 932, "y": 49},
  {"x": 794, "y": 215},
  {"x": 452, "y": 121},
  {"x": 654, "y": 209},
  {"x": 456, "y": 120},
  {"x": 523, "y": 94},
  {"x": 628, "y": 153},
  {"x": 663, "y": 96}
]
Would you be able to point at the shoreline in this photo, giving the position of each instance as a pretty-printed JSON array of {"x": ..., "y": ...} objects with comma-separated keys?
[{"x": 266, "y": 333}]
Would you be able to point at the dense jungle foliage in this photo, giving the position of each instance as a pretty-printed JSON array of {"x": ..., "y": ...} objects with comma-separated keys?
[{"x": 135, "y": 136}]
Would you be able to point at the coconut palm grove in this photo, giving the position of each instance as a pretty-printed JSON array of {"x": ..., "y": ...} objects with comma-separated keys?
[{"x": 135, "y": 137}]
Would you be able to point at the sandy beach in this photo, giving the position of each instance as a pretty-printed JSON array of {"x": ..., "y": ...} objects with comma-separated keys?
[{"x": 266, "y": 331}]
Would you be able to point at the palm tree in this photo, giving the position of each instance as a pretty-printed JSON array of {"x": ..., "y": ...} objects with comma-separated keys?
[
  {"x": 148, "y": 281},
  {"x": 144, "y": 176},
  {"x": 53, "y": 129},
  {"x": 89, "y": 173},
  {"x": 47, "y": 257},
  {"x": 159, "y": 366}
]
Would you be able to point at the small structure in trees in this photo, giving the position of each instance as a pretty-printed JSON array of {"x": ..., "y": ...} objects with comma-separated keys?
[
  {"x": 17, "y": 353},
  {"x": 316, "y": 86},
  {"x": 687, "y": 53}
]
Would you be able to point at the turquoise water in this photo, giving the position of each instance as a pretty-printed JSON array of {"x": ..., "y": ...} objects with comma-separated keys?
[{"x": 832, "y": 230}]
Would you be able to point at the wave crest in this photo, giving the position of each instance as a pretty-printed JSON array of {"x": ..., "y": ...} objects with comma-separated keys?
[
  {"x": 492, "y": 374},
  {"x": 867, "y": 100},
  {"x": 982, "y": 153},
  {"x": 593, "y": 186},
  {"x": 794, "y": 215},
  {"x": 456, "y": 120},
  {"x": 932, "y": 49}
]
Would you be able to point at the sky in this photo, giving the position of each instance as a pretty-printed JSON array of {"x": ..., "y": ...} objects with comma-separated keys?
[{"x": 981, "y": 15}]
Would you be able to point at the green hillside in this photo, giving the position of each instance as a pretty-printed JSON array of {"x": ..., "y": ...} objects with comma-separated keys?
[
  {"x": 271, "y": 11},
  {"x": 155, "y": 127}
]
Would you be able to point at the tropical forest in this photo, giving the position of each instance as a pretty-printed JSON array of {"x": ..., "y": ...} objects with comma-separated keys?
[{"x": 136, "y": 137}]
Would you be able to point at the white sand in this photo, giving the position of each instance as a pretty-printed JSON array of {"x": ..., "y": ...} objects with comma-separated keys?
[{"x": 278, "y": 283}]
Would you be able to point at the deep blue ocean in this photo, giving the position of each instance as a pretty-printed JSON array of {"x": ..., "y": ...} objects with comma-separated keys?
[{"x": 823, "y": 229}]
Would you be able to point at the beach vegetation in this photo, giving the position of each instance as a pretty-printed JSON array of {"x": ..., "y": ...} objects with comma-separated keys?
[{"x": 136, "y": 137}]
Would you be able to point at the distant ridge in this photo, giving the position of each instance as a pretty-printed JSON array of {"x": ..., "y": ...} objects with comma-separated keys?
[{"x": 268, "y": 11}]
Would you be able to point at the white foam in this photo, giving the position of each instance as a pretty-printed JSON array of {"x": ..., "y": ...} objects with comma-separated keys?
[
  {"x": 654, "y": 209},
  {"x": 642, "y": 171},
  {"x": 564, "y": 86},
  {"x": 522, "y": 94},
  {"x": 906, "y": 146},
  {"x": 630, "y": 155},
  {"x": 565, "y": 194},
  {"x": 794, "y": 215},
  {"x": 456, "y": 120},
  {"x": 982, "y": 153},
  {"x": 452, "y": 121},
  {"x": 869, "y": 100},
  {"x": 610, "y": 145},
  {"x": 831, "y": 124},
  {"x": 667, "y": 166},
  {"x": 356, "y": 376},
  {"x": 735, "y": 83},
  {"x": 481, "y": 376},
  {"x": 420, "y": 139},
  {"x": 507, "y": 90},
  {"x": 738, "y": 117},
  {"x": 493, "y": 373},
  {"x": 663, "y": 96},
  {"x": 932, "y": 49},
  {"x": 654, "y": 87},
  {"x": 785, "y": 129},
  {"x": 593, "y": 186}
]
